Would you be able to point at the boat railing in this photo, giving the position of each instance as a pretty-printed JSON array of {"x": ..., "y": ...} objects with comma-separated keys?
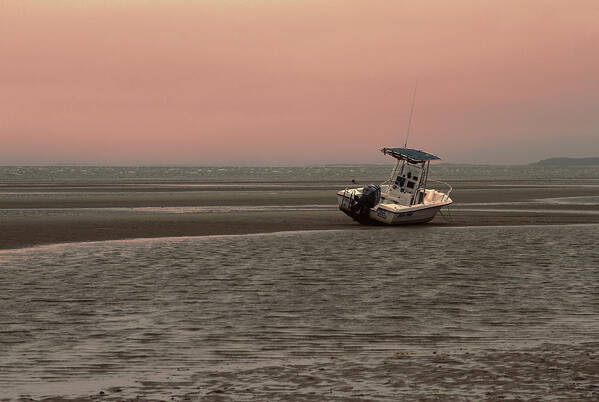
[
  {"x": 344, "y": 197},
  {"x": 446, "y": 195},
  {"x": 388, "y": 183}
]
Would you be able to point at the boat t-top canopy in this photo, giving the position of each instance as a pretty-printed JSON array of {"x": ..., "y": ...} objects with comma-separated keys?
[{"x": 412, "y": 155}]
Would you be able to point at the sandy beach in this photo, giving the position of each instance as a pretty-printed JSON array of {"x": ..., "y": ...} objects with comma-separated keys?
[{"x": 47, "y": 213}]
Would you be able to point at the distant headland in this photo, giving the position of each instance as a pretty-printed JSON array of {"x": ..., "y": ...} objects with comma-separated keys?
[{"x": 568, "y": 162}]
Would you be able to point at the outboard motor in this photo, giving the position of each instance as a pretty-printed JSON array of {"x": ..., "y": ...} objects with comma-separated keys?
[{"x": 371, "y": 196}]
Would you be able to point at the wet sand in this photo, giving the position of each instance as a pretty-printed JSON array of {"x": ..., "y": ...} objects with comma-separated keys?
[
  {"x": 551, "y": 371},
  {"x": 475, "y": 204},
  {"x": 113, "y": 360}
]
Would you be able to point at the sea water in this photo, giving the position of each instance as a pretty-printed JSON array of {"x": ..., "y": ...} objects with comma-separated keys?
[
  {"x": 74, "y": 317},
  {"x": 11, "y": 174}
]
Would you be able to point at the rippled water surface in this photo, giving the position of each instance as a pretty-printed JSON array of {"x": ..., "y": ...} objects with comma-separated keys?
[
  {"x": 276, "y": 173},
  {"x": 123, "y": 311}
]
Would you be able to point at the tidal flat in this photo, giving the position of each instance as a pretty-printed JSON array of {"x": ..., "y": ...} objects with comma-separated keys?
[
  {"x": 173, "y": 288},
  {"x": 54, "y": 211}
]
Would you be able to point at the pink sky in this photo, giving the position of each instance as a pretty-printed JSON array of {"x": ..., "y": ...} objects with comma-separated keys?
[{"x": 296, "y": 81}]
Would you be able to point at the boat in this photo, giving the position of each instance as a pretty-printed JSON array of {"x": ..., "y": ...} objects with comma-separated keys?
[{"x": 403, "y": 198}]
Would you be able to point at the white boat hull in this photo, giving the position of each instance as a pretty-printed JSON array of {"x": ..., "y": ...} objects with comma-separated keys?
[{"x": 389, "y": 214}]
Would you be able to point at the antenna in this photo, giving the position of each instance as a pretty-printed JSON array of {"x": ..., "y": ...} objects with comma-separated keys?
[{"x": 411, "y": 114}]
